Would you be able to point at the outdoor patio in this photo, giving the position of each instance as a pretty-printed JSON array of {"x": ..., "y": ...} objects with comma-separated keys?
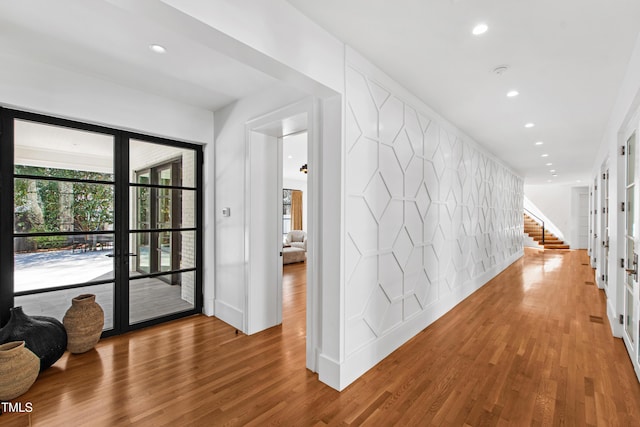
[{"x": 148, "y": 297}]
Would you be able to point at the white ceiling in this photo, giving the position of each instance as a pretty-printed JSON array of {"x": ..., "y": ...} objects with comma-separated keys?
[
  {"x": 100, "y": 39},
  {"x": 294, "y": 155},
  {"x": 49, "y": 146},
  {"x": 567, "y": 59}
]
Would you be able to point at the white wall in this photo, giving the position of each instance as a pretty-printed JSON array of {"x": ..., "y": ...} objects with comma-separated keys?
[
  {"x": 230, "y": 167},
  {"x": 554, "y": 201},
  {"x": 429, "y": 218},
  {"x": 39, "y": 87}
]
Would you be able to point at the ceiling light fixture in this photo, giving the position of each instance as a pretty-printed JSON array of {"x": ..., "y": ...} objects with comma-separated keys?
[
  {"x": 544, "y": 155},
  {"x": 500, "y": 69},
  {"x": 513, "y": 93},
  {"x": 289, "y": 157},
  {"x": 157, "y": 48},
  {"x": 480, "y": 29},
  {"x": 539, "y": 143},
  {"x": 555, "y": 174},
  {"x": 552, "y": 170},
  {"x": 529, "y": 125},
  {"x": 549, "y": 164}
]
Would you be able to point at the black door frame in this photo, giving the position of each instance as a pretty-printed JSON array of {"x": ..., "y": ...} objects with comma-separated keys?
[{"x": 121, "y": 226}]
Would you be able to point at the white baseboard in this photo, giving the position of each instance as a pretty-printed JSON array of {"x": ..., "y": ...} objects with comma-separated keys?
[
  {"x": 329, "y": 372},
  {"x": 229, "y": 314},
  {"x": 208, "y": 307},
  {"x": 614, "y": 322}
]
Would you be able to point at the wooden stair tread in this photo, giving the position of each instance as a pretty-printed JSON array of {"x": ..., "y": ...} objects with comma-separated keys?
[{"x": 534, "y": 230}]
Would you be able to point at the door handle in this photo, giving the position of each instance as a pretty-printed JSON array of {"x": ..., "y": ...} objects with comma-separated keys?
[
  {"x": 633, "y": 271},
  {"x": 112, "y": 255}
]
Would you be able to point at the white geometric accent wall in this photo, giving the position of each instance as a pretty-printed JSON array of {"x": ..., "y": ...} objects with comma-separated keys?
[{"x": 426, "y": 213}]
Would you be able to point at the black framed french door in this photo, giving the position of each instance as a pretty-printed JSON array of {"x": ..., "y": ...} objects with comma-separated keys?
[{"x": 91, "y": 209}]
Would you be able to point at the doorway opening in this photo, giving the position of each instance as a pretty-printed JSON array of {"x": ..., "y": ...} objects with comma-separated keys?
[{"x": 267, "y": 222}]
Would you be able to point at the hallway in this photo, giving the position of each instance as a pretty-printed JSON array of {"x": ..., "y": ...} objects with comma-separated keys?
[{"x": 529, "y": 348}]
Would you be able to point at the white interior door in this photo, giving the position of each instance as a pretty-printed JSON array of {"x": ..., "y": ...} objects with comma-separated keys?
[
  {"x": 631, "y": 234},
  {"x": 264, "y": 281},
  {"x": 594, "y": 223},
  {"x": 604, "y": 234},
  {"x": 583, "y": 219}
]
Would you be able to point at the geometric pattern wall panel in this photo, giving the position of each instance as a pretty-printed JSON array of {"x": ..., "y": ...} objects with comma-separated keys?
[{"x": 426, "y": 212}]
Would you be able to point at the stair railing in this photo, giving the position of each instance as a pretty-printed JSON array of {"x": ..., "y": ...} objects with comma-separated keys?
[{"x": 528, "y": 212}]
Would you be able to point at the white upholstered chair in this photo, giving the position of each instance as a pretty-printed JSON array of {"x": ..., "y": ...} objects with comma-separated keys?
[{"x": 296, "y": 239}]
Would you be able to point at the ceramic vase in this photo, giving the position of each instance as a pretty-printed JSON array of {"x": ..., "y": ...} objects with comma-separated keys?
[
  {"x": 44, "y": 336},
  {"x": 84, "y": 322},
  {"x": 19, "y": 369}
]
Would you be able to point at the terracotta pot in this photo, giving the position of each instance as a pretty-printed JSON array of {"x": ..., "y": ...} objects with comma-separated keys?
[
  {"x": 19, "y": 369},
  {"x": 84, "y": 322},
  {"x": 44, "y": 336}
]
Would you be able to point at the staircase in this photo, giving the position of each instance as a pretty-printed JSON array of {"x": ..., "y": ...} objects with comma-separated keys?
[{"x": 534, "y": 230}]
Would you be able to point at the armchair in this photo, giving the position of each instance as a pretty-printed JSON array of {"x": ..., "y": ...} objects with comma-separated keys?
[{"x": 296, "y": 239}]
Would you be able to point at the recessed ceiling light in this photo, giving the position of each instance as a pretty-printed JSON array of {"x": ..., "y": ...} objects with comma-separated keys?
[
  {"x": 513, "y": 93},
  {"x": 552, "y": 170},
  {"x": 544, "y": 155},
  {"x": 289, "y": 157},
  {"x": 539, "y": 143},
  {"x": 480, "y": 29},
  {"x": 157, "y": 48},
  {"x": 549, "y": 164},
  {"x": 555, "y": 174},
  {"x": 577, "y": 180},
  {"x": 529, "y": 125}
]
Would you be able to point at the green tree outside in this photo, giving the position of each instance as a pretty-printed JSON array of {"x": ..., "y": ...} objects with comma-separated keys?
[{"x": 61, "y": 206}]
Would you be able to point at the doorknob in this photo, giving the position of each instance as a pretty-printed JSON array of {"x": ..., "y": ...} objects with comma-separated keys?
[{"x": 633, "y": 271}]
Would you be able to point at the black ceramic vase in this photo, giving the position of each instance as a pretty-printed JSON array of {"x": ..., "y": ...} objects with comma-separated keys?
[{"x": 44, "y": 336}]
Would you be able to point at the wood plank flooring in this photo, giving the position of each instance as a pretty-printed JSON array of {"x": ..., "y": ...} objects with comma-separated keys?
[{"x": 523, "y": 350}]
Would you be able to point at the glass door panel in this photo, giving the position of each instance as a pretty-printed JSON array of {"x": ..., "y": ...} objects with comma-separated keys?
[
  {"x": 162, "y": 230},
  {"x": 96, "y": 212},
  {"x": 63, "y": 217}
]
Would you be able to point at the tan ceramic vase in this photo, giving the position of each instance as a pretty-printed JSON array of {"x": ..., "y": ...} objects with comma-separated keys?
[
  {"x": 83, "y": 321},
  {"x": 19, "y": 368}
]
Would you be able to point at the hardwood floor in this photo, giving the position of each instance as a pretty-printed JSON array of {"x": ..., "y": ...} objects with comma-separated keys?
[{"x": 532, "y": 347}]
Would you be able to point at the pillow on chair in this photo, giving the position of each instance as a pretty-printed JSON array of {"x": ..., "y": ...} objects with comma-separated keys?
[{"x": 297, "y": 239}]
